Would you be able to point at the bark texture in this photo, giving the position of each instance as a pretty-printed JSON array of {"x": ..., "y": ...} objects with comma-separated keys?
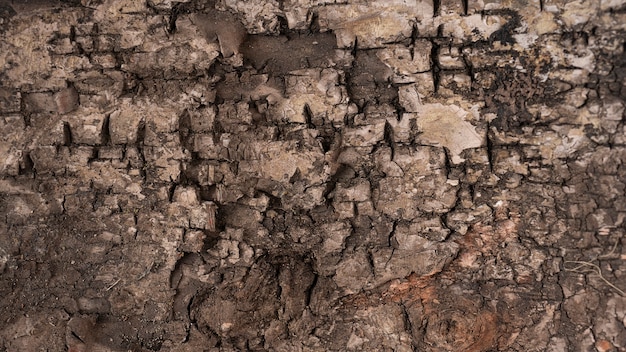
[{"x": 312, "y": 175}]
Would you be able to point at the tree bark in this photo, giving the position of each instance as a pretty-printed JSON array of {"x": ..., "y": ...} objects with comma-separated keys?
[{"x": 312, "y": 175}]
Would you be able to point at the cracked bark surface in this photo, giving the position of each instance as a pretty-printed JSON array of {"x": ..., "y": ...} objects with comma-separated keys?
[{"x": 306, "y": 175}]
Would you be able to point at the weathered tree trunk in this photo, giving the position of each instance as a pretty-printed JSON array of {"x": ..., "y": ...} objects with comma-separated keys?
[{"x": 301, "y": 175}]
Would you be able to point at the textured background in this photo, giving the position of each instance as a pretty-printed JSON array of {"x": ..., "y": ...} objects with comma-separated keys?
[{"x": 310, "y": 175}]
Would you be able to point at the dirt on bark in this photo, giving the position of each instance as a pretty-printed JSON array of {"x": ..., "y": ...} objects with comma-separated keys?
[{"x": 312, "y": 175}]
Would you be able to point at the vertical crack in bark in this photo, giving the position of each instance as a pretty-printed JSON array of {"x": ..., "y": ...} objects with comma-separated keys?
[{"x": 436, "y": 7}]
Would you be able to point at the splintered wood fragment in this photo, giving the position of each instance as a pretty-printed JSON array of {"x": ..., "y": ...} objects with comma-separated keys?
[
  {"x": 66, "y": 100},
  {"x": 211, "y": 211},
  {"x": 113, "y": 284}
]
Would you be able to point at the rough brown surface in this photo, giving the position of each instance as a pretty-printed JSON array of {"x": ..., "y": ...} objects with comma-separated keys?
[{"x": 305, "y": 175}]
